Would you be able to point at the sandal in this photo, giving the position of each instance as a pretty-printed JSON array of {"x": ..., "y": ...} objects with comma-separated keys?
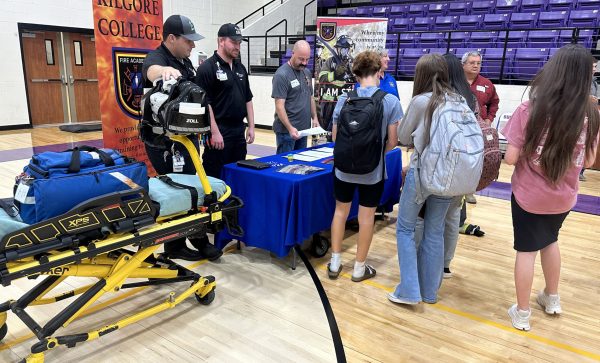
[
  {"x": 369, "y": 272},
  {"x": 333, "y": 275}
]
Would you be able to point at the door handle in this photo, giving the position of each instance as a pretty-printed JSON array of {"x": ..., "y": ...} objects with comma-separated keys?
[
  {"x": 44, "y": 80},
  {"x": 71, "y": 79}
]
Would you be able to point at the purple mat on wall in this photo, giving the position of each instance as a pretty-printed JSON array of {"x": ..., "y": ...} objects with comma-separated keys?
[{"x": 585, "y": 203}]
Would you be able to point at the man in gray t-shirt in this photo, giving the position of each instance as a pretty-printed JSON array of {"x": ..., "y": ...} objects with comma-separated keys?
[{"x": 294, "y": 104}]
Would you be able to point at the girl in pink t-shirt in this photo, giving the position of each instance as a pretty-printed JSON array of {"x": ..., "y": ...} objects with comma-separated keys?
[{"x": 559, "y": 116}]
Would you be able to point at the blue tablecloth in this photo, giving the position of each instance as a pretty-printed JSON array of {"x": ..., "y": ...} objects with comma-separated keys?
[{"x": 281, "y": 210}]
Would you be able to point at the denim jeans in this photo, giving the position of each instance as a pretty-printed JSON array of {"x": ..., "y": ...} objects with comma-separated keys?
[
  {"x": 451, "y": 227},
  {"x": 285, "y": 143},
  {"x": 421, "y": 269}
]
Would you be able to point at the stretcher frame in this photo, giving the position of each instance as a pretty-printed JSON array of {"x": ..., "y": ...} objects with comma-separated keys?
[{"x": 112, "y": 264}]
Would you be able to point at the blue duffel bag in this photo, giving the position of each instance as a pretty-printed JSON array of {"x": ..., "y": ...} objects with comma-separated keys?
[{"x": 55, "y": 182}]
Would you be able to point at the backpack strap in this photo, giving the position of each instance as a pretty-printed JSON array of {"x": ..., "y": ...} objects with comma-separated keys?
[
  {"x": 378, "y": 97},
  {"x": 192, "y": 190}
]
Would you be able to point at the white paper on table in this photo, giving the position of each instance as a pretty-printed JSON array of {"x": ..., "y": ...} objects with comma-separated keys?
[
  {"x": 304, "y": 157},
  {"x": 326, "y": 149},
  {"x": 316, "y": 154},
  {"x": 312, "y": 131}
]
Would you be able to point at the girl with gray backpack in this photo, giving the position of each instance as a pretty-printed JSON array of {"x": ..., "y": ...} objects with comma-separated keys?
[{"x": 446, "y": 162}]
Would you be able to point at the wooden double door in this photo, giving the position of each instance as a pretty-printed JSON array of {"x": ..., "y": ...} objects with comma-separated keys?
[{"x": 61, "y": 76}]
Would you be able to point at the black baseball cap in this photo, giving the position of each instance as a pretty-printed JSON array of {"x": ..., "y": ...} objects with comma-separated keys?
[
  {"x": 230, "y": 31},
  {"x": 180, "y": 25}
]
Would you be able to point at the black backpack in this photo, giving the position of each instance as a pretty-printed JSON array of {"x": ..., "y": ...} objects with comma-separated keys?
[
  {"x": 165, "y": 116},
  {"x": 358, "y": 143}
]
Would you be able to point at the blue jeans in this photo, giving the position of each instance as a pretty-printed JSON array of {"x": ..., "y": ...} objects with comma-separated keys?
[
  {"x": 451, "y": 226},
  {"x": 285, "y": 143},
  {"x": 421, "y": 269}
]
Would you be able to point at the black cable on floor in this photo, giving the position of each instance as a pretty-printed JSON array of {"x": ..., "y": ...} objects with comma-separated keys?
[{"x": 335, "y": 331}]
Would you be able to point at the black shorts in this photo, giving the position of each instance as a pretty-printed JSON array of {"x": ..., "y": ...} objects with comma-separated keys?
[
  {"x": 533, "y": 232},
  {"x": 368, "y": 195}
]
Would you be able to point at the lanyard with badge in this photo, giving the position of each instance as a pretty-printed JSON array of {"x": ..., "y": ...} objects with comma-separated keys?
[
  {"x": 221, "y": 75},
  {"x": 296, "y": 82}
]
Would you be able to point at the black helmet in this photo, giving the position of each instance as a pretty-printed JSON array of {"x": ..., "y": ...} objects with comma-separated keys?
[{"x": 344, "y": 42}]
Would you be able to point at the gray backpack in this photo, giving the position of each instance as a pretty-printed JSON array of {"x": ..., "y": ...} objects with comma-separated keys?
[{"x": 452, "y": 162}]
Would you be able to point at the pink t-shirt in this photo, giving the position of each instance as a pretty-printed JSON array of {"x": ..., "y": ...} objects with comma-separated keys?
[{"x": 532, "y": 190}]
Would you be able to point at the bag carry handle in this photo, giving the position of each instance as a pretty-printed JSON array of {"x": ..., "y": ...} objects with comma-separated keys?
[{"x": 75, "y": 164}]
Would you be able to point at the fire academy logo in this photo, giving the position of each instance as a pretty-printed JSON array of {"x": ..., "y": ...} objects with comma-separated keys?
[
  {"x": 129, "y": 83},
  {"x": 328, "y": 31}
]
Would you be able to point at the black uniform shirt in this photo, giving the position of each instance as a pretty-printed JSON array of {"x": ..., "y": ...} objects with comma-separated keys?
[
  {"x": 228, "y": 97},
  {"x": 161, "y": 56}
]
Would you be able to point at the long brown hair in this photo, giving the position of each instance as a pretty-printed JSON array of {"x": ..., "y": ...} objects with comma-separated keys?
[
  {"x": 431, "y": 75},
  {"x": 559, "y": 104}
]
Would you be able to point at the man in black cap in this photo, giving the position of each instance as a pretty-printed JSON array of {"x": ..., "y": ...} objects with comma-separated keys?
[
  {"x": 226, "y": 83},
  {"x": 171, "y": 61}
]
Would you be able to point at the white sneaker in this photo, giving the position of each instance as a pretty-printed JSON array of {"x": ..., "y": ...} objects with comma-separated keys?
[
  {"x": 518, "y": 320},
  {"x": 398, "y": 300},
  {"x": 550, "y": 303},
  {"x": 447, "y": 273}
]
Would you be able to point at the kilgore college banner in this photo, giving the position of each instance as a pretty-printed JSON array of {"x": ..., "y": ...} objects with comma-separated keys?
[
  {"x": 339, "y": 40},
  {"x": 125, "y": 31}
]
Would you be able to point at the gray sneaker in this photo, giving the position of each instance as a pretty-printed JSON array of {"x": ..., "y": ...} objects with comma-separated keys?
[
  {"x": 519, "y": 321},
  {"x": 550, "y": 303},
  {"x": 470, "y": 198}
]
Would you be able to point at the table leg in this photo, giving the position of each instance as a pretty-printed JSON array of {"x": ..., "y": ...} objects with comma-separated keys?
[{"x": 294, "y": 256}]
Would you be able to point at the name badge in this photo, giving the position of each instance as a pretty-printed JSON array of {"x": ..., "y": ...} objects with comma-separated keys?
[
  {"x": 480, "y": 88},
  {"x": 221, "y": 76},
  {"x": 294, "y": 83},
  {"x": 178, "y": 162}
]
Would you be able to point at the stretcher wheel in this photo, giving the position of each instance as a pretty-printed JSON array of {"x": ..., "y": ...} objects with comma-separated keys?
[
  {"x": 319, "y": 246},
  {"x": 207, "y": 299},
  {"x": 3, "y": 331}
]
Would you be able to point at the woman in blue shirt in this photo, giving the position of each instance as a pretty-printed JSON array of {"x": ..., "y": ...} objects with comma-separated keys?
[{"x": 387, "y": 82}]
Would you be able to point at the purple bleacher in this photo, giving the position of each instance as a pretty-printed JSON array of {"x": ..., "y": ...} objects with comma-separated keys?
[
  {"x": 401, "y": 24},
  {"x": 542, "y": 38},
  {"x": 483, "y": 7},
  {"x": 507, "y": 6},
  {"x": 409, "y": 40},
  {"x": 495, "y": 21},
  {"x": 366, "y": 11},
  {"x": 409, "y": 60},
  {"x": 585, "y": 37},
  {"x": 327, "y": 3},
  {"x": 532, "y": 5},
  {"x": 514, "y": 39},
  {"x": 380, "y": 11},
  {"x": 437, "y": 9},
  {"x": 391, "y": 41},
  {"x": 559, "y": 5},
  {"x": 460, "y": 8},
  {"x": 584, "y": 18},
  {"x": 399, "y": 10},
  {"x": 553, "y": 19},
  {"x": 439, "y": 51},
  {"x": 347, "y": 12},
  {"x": 587, "y": 4},
  {"x": 492, "y": 62},
  {"x": 470, "y": 22},
  {"x": 446, "y": 22},
  {"x": 431, "y": 40},
  {"x": 419, "y": 10},
  {"x": 423, "y": 23},
  {"x": 483, "y": 39},
  {"x": 528, "y": 61},
  {"x": 458, "y": 39},
  {"x": 523, "y": 20}
]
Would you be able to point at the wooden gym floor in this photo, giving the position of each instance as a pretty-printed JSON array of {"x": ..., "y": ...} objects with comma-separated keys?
[{"x": 264, "y": 311}]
